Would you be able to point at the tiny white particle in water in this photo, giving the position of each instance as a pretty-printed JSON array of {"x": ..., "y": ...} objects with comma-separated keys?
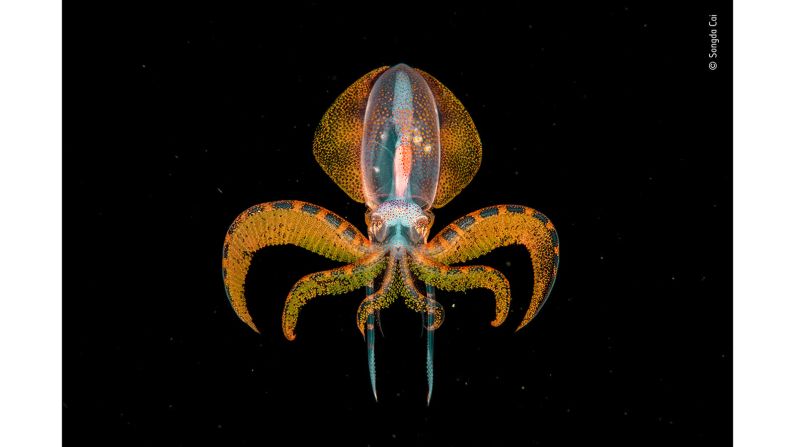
[{"x": 453, "y": 306}]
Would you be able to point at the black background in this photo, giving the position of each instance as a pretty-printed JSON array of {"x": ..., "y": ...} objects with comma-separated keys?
[{"x": 606, "y": 118}]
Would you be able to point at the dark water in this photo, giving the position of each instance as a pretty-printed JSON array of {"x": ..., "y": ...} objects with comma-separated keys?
[{"x": 607, "y": 119}]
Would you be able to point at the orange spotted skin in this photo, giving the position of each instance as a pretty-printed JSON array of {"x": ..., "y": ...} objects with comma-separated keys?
[
  {"x": 279, "y": 223},
  {"x": 331, "y": 282},
  {"x": 461, "y": 147},
  {"x": 461, "y": 278},
  {"x": 339, "y": 135},
  {"x": 384, "y": 146},
  {"x": 484, "y": 230}
]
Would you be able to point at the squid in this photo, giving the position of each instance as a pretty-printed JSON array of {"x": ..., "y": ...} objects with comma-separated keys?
[{"x": 400, "y": 142}]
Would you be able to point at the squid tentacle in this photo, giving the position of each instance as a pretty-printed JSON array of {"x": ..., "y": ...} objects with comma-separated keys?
[
  {"x": 371, "y": 345},
  {"x": 463, "y": 278},
  {"x": 484, "y": 230},
  {"x": 284, "y": 222},
  {"x": 382, "y": 298},
  {"x": 330, "y": 282},
  {"x": 417, "y": 301},
  {"x": 431, "y": 294}
]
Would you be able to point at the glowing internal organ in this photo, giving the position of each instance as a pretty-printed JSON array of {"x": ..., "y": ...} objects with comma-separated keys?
[
  {"x": 400, "y": 149},
  {"x": 400, "y": 142}
]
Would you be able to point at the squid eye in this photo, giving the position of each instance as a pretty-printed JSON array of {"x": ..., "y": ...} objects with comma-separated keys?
[
  {"x": 419, "y": 229},
  {"x": 377, "y": 228},
  {"x": 421, "y": 222}
]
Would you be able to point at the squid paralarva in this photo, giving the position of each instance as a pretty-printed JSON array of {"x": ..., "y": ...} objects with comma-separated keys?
[{"x": 400, "y": 142}]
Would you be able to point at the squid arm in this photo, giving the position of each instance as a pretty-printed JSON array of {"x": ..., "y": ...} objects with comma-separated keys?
[
  {"x": 453, "y": 278},
  {"x": 284, "y": 222},
  {"x": 330, "y": 282},
  {"x": 484, "y": 230}
]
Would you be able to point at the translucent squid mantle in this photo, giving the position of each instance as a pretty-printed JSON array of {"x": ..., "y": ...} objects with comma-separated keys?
[{"x": 400, "y": 142}]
